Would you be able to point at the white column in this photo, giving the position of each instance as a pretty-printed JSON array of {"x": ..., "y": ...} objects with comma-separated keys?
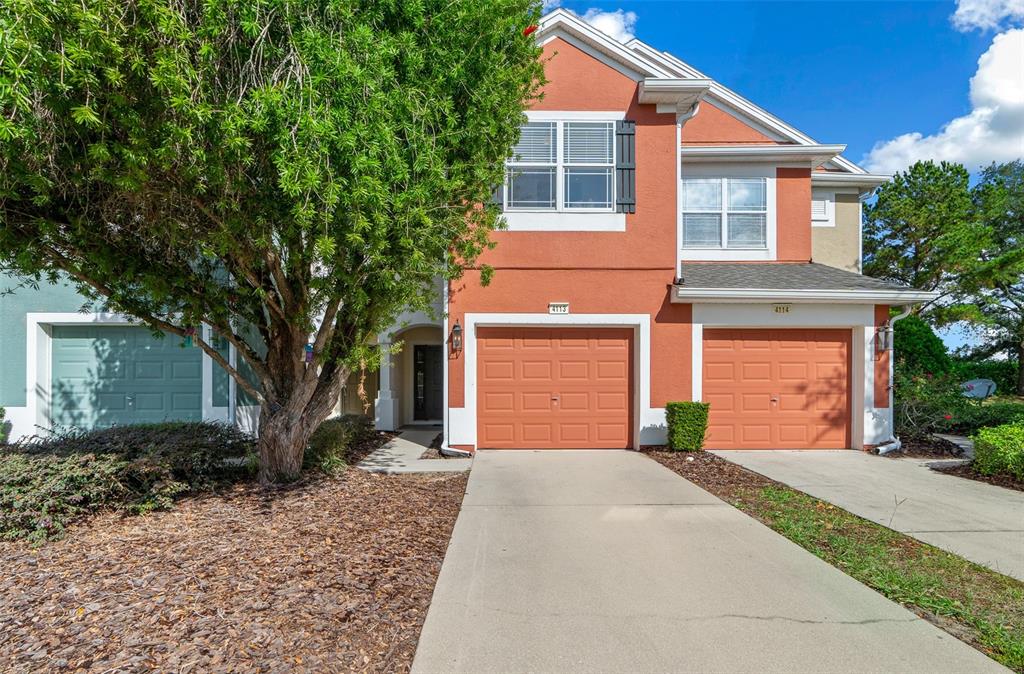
[{"x": 386, "y": 404}]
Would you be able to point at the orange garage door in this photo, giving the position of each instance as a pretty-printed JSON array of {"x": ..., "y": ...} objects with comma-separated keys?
[
  {"x": 558, "y": 388},
  {"x": 777, "y": 389}
]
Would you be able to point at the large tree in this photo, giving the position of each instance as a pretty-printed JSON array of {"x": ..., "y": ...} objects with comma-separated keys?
[
  {"x": 919, "y": 228},
  {"x": 289, "y": 173},
  {"x": 991, "y": 296}
]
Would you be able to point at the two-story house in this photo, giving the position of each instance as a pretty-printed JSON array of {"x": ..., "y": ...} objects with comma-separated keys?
[{"x": 666, "y": 240}]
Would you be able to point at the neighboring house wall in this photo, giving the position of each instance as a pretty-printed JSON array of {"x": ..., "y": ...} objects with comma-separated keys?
[{"x": 836, "y": 242}]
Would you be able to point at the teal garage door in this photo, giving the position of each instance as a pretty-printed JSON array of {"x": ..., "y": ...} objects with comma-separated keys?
[{"x": 107, "y": 375}]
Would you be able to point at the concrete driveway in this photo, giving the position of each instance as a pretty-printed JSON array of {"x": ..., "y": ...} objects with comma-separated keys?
[
  {"x": 978, "y": 521},
  {"x": 605, "y": 561}
]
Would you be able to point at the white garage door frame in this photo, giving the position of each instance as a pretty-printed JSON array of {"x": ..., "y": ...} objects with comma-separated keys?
[
  {"x": 865, "y": 421},
  {"x": 39, "y": 358},
  {"x": 648, "y": 423}
]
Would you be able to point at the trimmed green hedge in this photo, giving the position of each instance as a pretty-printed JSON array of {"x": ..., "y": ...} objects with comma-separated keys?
[
  {"x": 687, "y": 425},
  {"x": 1000, "y": 449}
]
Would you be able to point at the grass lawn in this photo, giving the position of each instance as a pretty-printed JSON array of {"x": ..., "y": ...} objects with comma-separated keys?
[
  {"x": 328, "y": 574},
  {"x": 975, "y": 604}
]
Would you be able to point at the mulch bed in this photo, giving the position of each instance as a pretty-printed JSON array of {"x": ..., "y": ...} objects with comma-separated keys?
[
  {"x": 330, "y": 574},
  {"x": 709, "y": 472},
  {"x": 1007, "y": 481},
  {"x": 926, "y": 447}
]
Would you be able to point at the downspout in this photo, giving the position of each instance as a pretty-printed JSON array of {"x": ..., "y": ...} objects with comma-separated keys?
[{"x": 893, "y": 444}]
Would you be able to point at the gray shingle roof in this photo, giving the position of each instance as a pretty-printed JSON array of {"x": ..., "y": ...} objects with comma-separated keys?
[{"x": 778, "y": 276}]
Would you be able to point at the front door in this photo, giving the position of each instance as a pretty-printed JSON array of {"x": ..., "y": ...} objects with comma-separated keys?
[{"x": 428, "y": 378}]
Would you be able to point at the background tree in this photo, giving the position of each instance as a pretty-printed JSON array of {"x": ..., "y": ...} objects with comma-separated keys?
[
  {"x": 299, "y": 170},
  {"x": 918, "y": 229},
  {"x": 918, "y": 349},
  {"x": 992, "y": 289}
]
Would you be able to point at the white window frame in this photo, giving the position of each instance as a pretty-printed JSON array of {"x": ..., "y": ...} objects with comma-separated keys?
[
  {"x": 723, "y": 170},
  {"x": 724, "y": 212},
  {"x": 829, "y": 197},
  {"x": 560, "y": 165}
]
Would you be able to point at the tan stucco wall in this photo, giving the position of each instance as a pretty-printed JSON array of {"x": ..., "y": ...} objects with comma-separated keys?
[{"x": 839, "y": 246}]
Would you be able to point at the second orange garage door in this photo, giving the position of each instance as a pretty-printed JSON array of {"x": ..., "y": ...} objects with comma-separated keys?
[
  {"x": 777, "y": 389},
  {"x": 558, "y": 388}
]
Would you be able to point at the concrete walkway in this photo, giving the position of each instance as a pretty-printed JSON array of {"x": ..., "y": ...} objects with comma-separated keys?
[
  {"x": 605, "y": 561},
  {"x": 402, "y": 454},
  {"x": 975, "y": 520}
]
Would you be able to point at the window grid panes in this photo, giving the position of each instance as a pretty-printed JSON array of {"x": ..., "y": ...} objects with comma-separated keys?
[
  {"x": 563, "y": 166},
  {"x": 725, "y": 213}
]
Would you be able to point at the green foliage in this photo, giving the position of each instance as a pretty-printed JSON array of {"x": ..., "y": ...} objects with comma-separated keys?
[
  {"x": 5, "y": 429},
  {"x": 918, "y": 349},
  {"x": 687, "y": 425},
  {"x": 919, "y": 227},
  {"x": 927, "y": 404},
  {"x": 332, "y": 445},
  {"x": 1000, "y": 449},
  {"x": 260, "y": 164},
  {"x": 973, "y": 416},
  {"x": 1002, "y": 372},
  {"x": 46, "y": 483}
]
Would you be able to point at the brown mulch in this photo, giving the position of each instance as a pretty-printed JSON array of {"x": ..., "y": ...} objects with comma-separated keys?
[
  {"x": 330, "y": 574},
  {"x": 710, "y": 472},
  {"x": 434, "y": 450},
  {"x": 926, "y": 447},
  {"x": 968, "y": 471}
]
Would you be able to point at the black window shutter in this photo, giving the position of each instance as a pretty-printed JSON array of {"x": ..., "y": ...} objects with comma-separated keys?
[
  {"x": 498, "y": 196},
  {"x": 625, "y": 166}
]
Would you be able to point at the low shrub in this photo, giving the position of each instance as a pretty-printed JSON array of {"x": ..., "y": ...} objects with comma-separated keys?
[
  {"x": 1000, "y": 449},
  {"x": 973, "y": 417},
  {"x": 333, "y": 444},
  {"x": 687, "y": 425},
  {"x": 927, "y": 404},
  {"x": 46, "y": 483}
]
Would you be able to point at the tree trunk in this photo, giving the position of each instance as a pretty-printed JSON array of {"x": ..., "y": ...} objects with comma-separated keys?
[
  {"x": 1020, "y": 368},
  {"x": 284, "y": 431}
]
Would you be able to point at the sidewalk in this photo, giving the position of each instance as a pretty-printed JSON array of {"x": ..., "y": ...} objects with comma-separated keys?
[{"x": 402, "y": 455}]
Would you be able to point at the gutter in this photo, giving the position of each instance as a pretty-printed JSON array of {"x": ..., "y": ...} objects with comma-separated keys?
[
  {"x": 686, "y": 294},
  {"x": 893, "y": 444}
]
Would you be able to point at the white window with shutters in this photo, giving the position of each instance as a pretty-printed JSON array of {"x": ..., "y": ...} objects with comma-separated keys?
[
  {"x": 563, "y": 166},
  {"x": 823, "y": 208}
]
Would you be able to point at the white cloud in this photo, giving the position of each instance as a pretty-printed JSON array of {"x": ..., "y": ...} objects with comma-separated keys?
[
  {"x": 986, "y": 14},
  {"x": 619, "y": 24},
  {"x": 992, "y": 131}
]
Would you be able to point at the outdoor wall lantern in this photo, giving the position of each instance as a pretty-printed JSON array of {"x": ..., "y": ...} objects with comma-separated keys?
[
  {"x": 457, "y": 337},
  {"x": 883, "y": 340}
]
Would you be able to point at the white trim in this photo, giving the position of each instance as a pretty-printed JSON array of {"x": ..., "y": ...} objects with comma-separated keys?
[
  {"x": 833, "y": 179},
  {"x": 683, "y": 294},
  {"x": 767, "y": 254},
  {"x": 829, "y": 197},
  {"x": 648, "y": 423},
  {"x": 561, "y": 221},
  {"x": 674, "y": 96},
  {"x": 814, "y": 154},
  {"x": 697, "y": 361},
  {"x": 563, "y": 23},
  {"x": 858, "y": 319},
  {"x": 679, "y": 198},
  {"x": 38, "y": 362},
  {"x": 575, "y": 115}
]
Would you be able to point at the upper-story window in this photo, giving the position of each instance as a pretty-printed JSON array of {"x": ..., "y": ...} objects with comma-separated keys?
[
  {"x": 562, "y": 166},
  {"x": 725, "y": 213}
]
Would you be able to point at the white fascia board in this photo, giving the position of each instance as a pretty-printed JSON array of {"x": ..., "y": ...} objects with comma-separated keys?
[
  {"x": 658, "y": 57},
  {"x": 678, "y": 95},
  {"x": 684, "y": 295},
  {"x": 815, "y": 154},
  {"x": 564, "y": 20},
  {"x": 833, "y": 179}
]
